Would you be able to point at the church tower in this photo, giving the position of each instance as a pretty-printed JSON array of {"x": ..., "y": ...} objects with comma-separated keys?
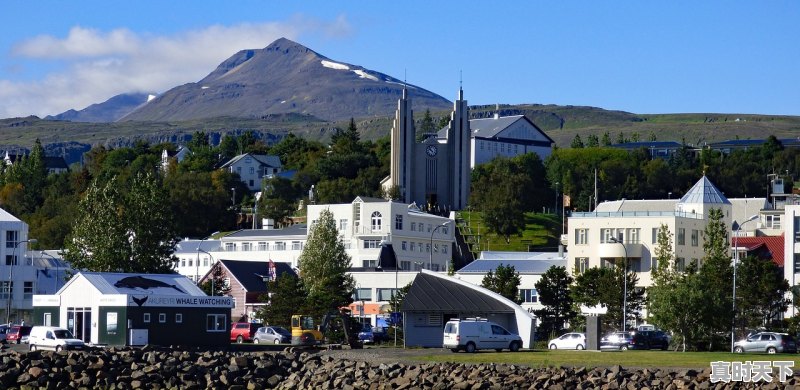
[
  {"x": 402, "y": 147},
  {"x": 459, "y": 145}
]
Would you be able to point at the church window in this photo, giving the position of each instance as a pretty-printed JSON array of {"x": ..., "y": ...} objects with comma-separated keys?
[{"x": 376, "y": 221}]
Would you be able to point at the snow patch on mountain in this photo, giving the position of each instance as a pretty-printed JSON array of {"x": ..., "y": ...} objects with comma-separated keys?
[
  {"x": 365, "y": 75},
  {"x": 334, "y": 65}
]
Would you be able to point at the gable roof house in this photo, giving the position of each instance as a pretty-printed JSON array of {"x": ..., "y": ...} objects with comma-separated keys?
[
  {"x": 252, "y": 168},
  {"x": 247, "y": 281},
  {"x": 177, "y": 155},
  {"x": 52, "y": 164}
]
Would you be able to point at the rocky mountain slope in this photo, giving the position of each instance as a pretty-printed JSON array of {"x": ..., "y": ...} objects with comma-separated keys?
[
  {"x": 281, "y": 78},
  {"x": 107, "y": 111}
]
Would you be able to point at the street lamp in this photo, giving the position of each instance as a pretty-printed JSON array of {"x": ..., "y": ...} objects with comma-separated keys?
[
  {"x": 9, "y": 289},
  {"x": 624, "y": 283},
  {"x": 197, "y": 266},
  {"x": 212, "y": 267},
  {"x": 737, "y": 227},
  {"x": 430, "y": 261}
]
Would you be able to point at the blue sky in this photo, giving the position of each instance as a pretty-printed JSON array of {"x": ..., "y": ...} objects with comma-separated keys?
[{"x": 641, "y": 57}]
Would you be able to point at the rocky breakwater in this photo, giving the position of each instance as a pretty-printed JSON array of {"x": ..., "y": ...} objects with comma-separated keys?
[{"x": 151, "y": 368}]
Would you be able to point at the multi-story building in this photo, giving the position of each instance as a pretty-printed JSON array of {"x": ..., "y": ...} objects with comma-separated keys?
[{"x": 252, "y": 168}]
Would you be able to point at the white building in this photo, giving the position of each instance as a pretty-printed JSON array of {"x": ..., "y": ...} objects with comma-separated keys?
[
  {"x": 507, "y": 136},
  {"x": 791, "y": 251},
  {"x": 628, "y": 230},
  {"x": 251, "y": 168}
]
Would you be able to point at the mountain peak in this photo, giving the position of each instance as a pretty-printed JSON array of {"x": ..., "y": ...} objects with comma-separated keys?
[{"x": 285, "y": 77}]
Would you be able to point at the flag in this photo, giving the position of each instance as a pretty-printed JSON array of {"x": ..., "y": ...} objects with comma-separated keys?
[{"x": 272, "y": 271}]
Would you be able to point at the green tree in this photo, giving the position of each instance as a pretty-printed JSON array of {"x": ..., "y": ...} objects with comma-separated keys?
[
  {"x": 505, "y": 281},
  {"x": 553, "y": 291},
  {"x": 760, "y": 293},
  {"x": 605, "y": 286},
  {"x": 286, "y": 297},
  {"x": 592, "y": 141},
  {"x": 117, "y": 232},
  {"x": 215, "y": 285},
  {"x": 324, "y": 266},
  {"x": 577, "y": 143},
  {"x": 396, "y": 300},
  {"x": 717, "y": 275},
  {"x": 606, "y": 139}
]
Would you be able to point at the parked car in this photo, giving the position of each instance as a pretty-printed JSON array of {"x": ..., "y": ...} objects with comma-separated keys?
[
  {"x": 52, "y": 337},
  {"x": 568, "y": 341},
  {"x": 244, "y": 331},
  {"x": 769, "y": 342},
  {"x": 616, "y": 340},
  {"x": 650, "y": 339},
  {"x": 272, "y": 335},
  {"x": 16, "y": 332},
  {"x": 473, "y": 334},
  {"x": 372, "y": 334},
  {"x": 3, "y": 329}
]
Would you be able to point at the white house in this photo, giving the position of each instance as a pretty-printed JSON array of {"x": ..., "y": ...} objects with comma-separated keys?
[
  {"x": 507, "y": 136},
  {"x": 178, "y": 156},
  {"x": 251, "y": 168}
]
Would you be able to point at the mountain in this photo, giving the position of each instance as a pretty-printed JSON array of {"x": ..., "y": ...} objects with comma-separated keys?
[
  {"x": 108, "y": 111},
  {"x": 285, "y": 77}
]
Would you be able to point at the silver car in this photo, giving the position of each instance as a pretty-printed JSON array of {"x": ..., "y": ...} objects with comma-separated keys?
[
  {"x": 769, "y": 342},
  {"x": 272, "y": 335}
]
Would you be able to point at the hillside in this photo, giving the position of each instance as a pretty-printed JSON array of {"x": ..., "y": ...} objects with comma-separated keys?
[
  {"x": 107, "y": 111},
  {"x": 285, "y": 77}
]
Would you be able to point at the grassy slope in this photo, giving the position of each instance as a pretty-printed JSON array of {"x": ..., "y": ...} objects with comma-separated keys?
[
  {"x": 561, "y": 123},
  {"x": 658, "y": 359},
  {"x": 541, "y": 233}
]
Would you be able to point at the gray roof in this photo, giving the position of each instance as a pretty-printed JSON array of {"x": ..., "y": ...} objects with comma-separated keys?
[
  {"x": 299, "y": 229},
  {"x": 523, "y": 262},
  {"x": 704, "y": 192},
  {"x": 191, "y": 246},
  {"x": 432, "y": 293},
  {"x": 109, "y": 283},
  {"x": 368, "y": 199},
  {"x": 491, "y": 127},
  {"x": 627, "y": 205},
  {"x": 263, "y": 159}
]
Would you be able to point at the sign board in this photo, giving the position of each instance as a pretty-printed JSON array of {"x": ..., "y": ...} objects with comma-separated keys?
[
  {"x": 396, "y": 318},
  {"x": 151, "y": 300},
  {"x": 46, "y": 300},
  {"x": 593, "y": 310}
]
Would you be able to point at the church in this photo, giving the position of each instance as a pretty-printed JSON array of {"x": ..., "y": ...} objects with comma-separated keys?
[{"x": 435, "y": 171}]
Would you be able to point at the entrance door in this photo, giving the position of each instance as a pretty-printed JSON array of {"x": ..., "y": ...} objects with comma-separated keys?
[{"x": 79, "y": 322}]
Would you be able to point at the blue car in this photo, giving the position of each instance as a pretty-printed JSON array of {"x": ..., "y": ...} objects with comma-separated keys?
[{"x": 372, "y": 335}]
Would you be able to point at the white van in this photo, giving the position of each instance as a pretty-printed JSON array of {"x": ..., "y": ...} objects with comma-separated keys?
[
  {"x": 55, "y": 338},
  {"x": 472, "y": 334}
]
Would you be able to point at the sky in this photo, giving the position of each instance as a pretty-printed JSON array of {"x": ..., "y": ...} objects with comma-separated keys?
[{"x": 641, "y": 57}]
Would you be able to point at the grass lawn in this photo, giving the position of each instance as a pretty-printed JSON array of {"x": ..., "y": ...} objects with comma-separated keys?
[
  {"x": 538, "y": 358},
  {"x": 541, "y": 231}
]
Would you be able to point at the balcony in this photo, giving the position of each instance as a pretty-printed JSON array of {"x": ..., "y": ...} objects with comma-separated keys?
[{"x": 615, "y": 250}]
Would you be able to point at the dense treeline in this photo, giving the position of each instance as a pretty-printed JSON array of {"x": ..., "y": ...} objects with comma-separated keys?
[{"x": 349, "y": 167}]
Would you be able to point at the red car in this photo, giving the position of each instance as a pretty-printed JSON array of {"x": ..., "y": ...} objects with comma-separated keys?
[
  {"x": 16, "y": 333},
  {"x": 244, "y": 331}
]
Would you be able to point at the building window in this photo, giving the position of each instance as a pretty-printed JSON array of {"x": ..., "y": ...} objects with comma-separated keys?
[
  {"x": 695, "y": 237},
  {"x": 252, "y": 170},
  {"x": 372, "y": 244},
  {"x": 183, "y": 263},
  {"x": 655, "y": 235},
  {"x": 413, "y": 226},
  {"x": 262, "y": 246},
  {"x": 435, "y": 319},
  {"x": 580, "y": 236},
  {"x": 773, "y": 221},
  {"x": 385, "y": 294},
  {"x": 417, "y": 266},
  {"x": 419, "y": 247},
  {"x": 429, "y": 228},
  {"x": 681, "y": 236},
  {"x": 11, "y": 238},
  {"x": 403, "y": 245},
  {"x": 362, "y": 294},
  {"x": 606, "y": 263},
  {"x": 146, "y": 318},
  {"x": 230, "y": 247},
  {"x": 297, "y": 245},
  {"x": 680, "y": 264},
  {"x": 342, "y": 225},
  {"x": 376, "y": 221},
  {"x": 178, "y": 318},
  {"x": 191, "y": 263},
  {"x": 444, "y": 248},
  {"x": 398, "y": 222},
  {"x": 581, "y": 264},
  {"x": 632, "y": 236},
  {"x": 216, "y": 323},
  {"x": 529, "y": 295},
  {"x": 5, "y": 289},
  {"x": 405, "y": 265},
  {"x": 413, "y": 246},
  {"x": 797, "y": 263},
  {"x": 435, "y": 248},
  {"x": 205, "y": 262},
  {"x": 428, "y": 248},
  {"x": 162, "y": 318},
  {"x": 369, "y": 263},
  {"x": 27, "y": 290},
  {"x": 280, "y": 246},
  {"x": 607, "y": 234}
]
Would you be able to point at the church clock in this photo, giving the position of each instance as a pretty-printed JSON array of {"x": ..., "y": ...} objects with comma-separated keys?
[{"x": 431, "y": 150}]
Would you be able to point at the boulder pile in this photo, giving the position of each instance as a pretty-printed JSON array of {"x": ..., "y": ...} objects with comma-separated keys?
[{"x": 166, "y": 368}]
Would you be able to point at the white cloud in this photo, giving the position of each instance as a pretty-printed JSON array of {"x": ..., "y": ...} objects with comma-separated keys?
[{"x": 99, "y": 65}]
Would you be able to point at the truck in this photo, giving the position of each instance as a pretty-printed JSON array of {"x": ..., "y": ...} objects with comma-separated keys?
[{"x": 305, "y": 334}]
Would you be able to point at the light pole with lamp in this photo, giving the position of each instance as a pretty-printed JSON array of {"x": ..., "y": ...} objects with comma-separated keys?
[
  {"x": 9, "y": 289},
  {"x": 624, "y": 283},
  {"x": 212, "y": 267},
  {"x": 430, "y": 260},
  {"x": 197, "y": 266},
  {"x": 736, "y": 227}
]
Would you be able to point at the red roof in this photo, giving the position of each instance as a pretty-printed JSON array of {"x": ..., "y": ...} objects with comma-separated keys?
[{"x": 774, "y": 245}]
